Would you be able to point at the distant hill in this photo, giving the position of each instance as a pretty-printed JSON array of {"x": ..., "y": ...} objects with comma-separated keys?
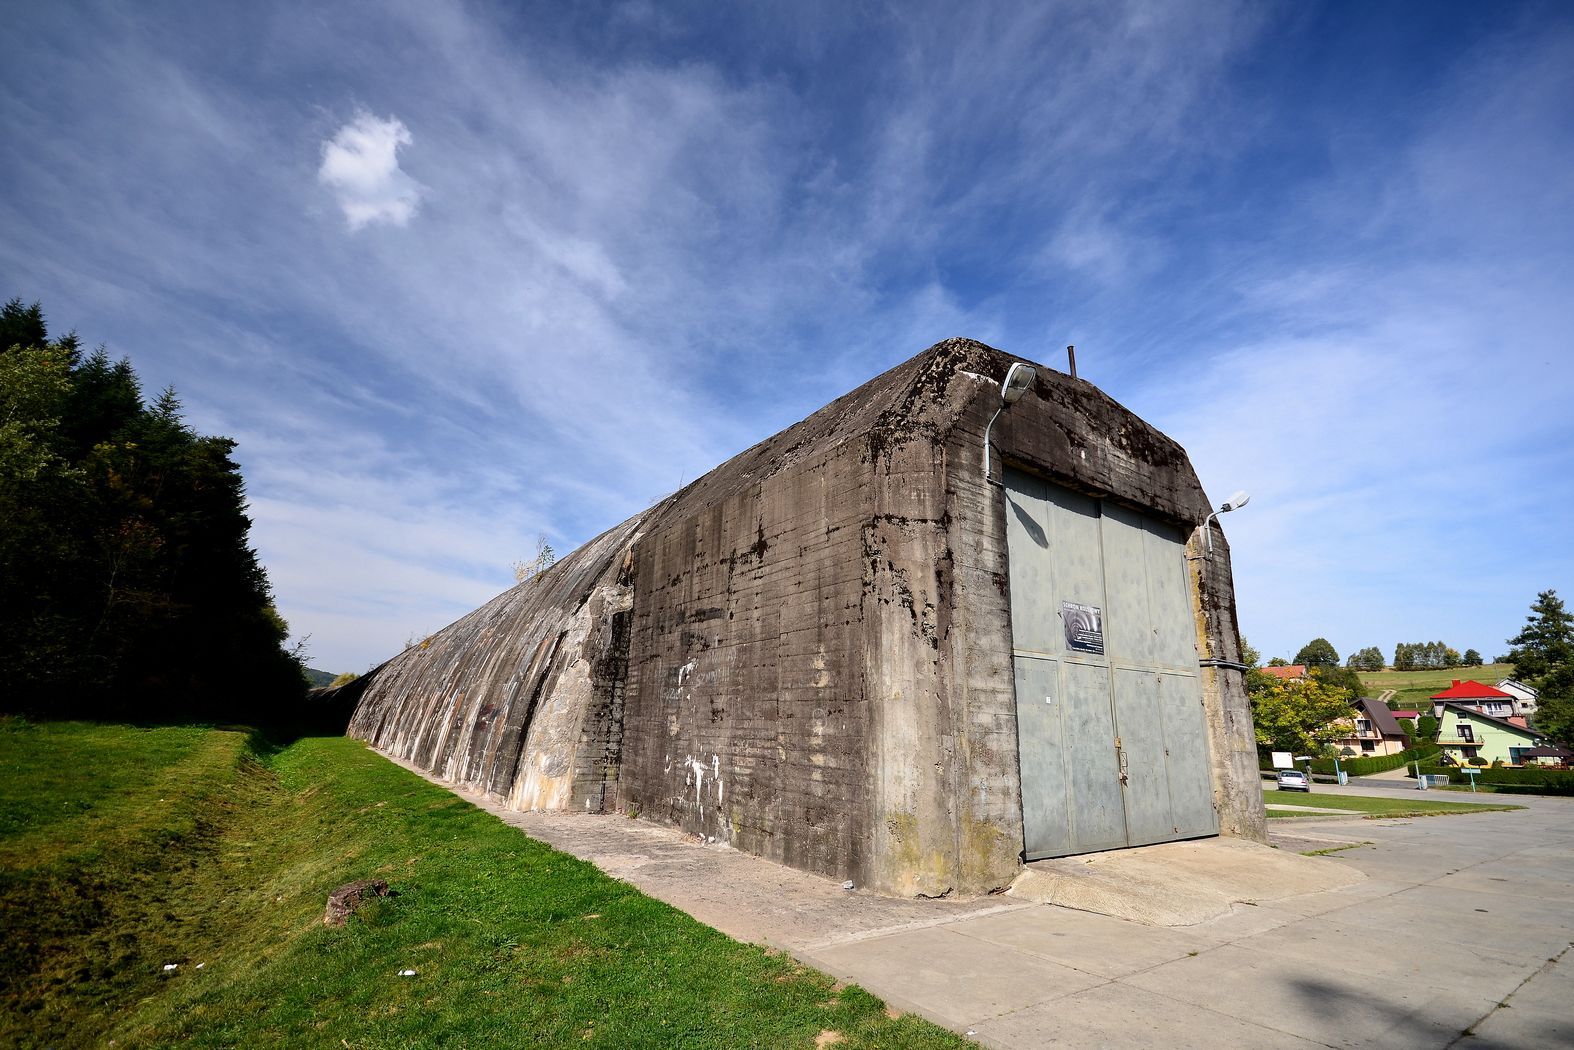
[
  {"x": 1413, "y": 688},
  {"x": 318, "y": 679}
]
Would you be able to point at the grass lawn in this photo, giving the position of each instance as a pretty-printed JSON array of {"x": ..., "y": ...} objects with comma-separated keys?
[
  {"x": 128, "y": 849},
  {"x": 1373, "y": 808},
  {"x": 1415, "y": 688}
]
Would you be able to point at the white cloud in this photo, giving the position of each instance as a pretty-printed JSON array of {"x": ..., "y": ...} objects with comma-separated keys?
[{"x": 361, "y": 165}]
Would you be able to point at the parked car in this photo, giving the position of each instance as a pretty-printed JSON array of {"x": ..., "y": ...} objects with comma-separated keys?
[{"x": 1293, "y": 780}]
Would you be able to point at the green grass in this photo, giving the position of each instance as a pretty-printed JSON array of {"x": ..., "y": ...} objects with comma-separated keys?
[
  {"x": 1374, "y": 808},
  {"x": 1414, "y": 689},
  {"x": 126, "y": 849},
  {"x": 1331, "y": 850}
]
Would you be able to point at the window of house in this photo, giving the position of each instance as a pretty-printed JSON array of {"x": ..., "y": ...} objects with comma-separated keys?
[
  {"x": 1363, "y": 726},
  {"x": 1466, "y": 731},
  {"x": 1368, "y": 745}
]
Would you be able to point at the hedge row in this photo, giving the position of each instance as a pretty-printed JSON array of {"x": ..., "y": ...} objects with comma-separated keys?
[
  {"x": 1518, "y": 781},
  {"x": 1534, "y": 789},
  {"x": 1360, "y": 767}
]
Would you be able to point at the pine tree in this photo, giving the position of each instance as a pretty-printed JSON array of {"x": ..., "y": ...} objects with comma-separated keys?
[
  {"x": 128, "y": 586},
  {"x": 1546, "y": 642}
]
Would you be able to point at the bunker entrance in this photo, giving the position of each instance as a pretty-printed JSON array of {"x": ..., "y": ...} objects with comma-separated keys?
[{"x": 1111, "y": 731}]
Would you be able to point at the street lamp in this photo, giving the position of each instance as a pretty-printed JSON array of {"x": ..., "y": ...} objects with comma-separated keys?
[
  {"x": 1235, "y": 502},
  {"x": 1018, "y": 379}
]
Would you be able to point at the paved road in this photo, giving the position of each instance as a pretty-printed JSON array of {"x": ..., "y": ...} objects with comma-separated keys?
[
  {"x": 1463, "y": 925},
  {"x": 1459, "y": 937}
]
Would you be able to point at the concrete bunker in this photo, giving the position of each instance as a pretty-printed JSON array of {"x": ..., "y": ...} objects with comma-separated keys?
[{"x": 848, "y": 650}]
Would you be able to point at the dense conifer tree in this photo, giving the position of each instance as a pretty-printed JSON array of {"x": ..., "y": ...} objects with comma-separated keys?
[{"x": 127, "y": 584}]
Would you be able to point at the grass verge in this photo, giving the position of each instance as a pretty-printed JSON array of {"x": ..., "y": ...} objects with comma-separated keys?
[
  {"x": 1331, "y": 850},
  {"x": 128, "y": 849},
  {"x": 1377, "y": 808}
]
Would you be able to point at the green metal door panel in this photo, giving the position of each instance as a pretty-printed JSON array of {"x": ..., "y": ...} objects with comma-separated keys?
[
  {"x": 1141, "y": 728},
  {"x": 1186, "y": 756},
  {"x": 1129, "y": 625},
  {"x": 1076, "y": 553},
  {"x": 1106, "y": 675},
  {"x": 1029, "y": 565},
  {"x": 1169, "y": 598},
  {"x": 1046, "y": 794},
  {"x": 1098, "y": 819}
]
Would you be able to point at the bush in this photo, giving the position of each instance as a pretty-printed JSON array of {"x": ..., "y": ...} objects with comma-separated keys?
[
  {"x": 1525, "y": 781},
  {"x": 1528, "y": 775},
  {"x": 1360, "y": 767},
  {"x": 1534, "y": 789}
]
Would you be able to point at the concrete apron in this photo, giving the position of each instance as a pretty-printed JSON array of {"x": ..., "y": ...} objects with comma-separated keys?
[{"x": 1178, "y": 883}]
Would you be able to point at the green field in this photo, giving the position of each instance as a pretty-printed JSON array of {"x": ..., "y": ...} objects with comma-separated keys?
[
  {"x": 123, "y": 850},
  {"x": 1371, "y": 808},
  {"x": 1415, "y": 688}
]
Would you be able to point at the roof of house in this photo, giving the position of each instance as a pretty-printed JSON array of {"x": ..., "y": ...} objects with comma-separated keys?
[
  {"x": 1292, "y": 671},
  {"x": 1407, "y": 714},
  {"x": 1466, "y": 709},
  {"x": 1547, "y": 751},
  {"x": 1471, "y": 691},
  {"x": 1382, "y": 718},
  {"x": 1505, "y": 683}
]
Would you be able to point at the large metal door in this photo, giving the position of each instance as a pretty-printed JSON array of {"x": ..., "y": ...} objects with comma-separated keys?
[{"x": 1110, "y": 726}]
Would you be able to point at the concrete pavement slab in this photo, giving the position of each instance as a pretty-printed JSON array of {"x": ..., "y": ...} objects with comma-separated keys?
[
  {"x": 1324, "y": 945},
  {"x": 1279, "y": 990},
  {"x": 949, "y": 977},
  {"x": 1117, "y": 1017},
  {"x": 1096, "y": 944}
]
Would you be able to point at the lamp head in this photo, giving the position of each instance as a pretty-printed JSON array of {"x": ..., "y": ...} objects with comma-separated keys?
[
  {"x": 1236, "y": 502},
  {"x": 1018, "y": 379}
]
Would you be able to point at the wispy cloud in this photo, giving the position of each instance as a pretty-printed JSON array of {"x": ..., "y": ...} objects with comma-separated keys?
[
  {"x": 361, "y": 165},
  {"x": 628, "y": 247}
]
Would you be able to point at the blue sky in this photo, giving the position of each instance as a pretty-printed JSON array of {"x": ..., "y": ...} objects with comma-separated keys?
[{"x": 456, "y": 275}]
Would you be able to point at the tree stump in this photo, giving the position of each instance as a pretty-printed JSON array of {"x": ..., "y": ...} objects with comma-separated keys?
[{"x": 343, "y": 901}]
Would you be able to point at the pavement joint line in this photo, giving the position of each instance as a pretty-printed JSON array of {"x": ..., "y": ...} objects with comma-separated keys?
[
  {"x": 916, "y": 924},
  {"x": 1241, "y": 1020},
  {"x": 1470, "y": 1029},
  {"x": 1101, "y": 977}
]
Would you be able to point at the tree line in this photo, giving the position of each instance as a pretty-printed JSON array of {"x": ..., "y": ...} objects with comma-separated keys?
[
  {"x": 128, "y": 586},
  {"x": 1408, "y": 656}
]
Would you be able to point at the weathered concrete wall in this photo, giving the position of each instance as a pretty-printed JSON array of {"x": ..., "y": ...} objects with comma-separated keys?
[
  {"x": 807, "y": 652},
  {"x": 747, "y": 719},
  {"x": 521, "y": 698},
  {"x": 1237, "y": 793}
]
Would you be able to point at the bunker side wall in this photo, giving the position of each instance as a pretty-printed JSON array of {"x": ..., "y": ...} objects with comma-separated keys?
[
  {"x": 510, "y": 699},
  {"x": 746, "y": 719}
]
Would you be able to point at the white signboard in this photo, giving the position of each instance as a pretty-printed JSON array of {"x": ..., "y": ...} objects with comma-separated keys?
[{"x": 1282, "y": 760}]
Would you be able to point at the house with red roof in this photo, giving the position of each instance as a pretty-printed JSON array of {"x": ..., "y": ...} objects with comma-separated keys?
[
  {"x": 1481, "y": 721},
  {"x": 1291, "y": 673},
  {"x": 1485, "y": 699}
]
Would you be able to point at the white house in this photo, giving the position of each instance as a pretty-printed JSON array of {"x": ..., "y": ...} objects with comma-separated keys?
[{"x": 1524, "y": 696}]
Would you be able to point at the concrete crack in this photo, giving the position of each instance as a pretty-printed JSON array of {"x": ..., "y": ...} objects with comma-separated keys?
[{"x": 1545, "y": 967}]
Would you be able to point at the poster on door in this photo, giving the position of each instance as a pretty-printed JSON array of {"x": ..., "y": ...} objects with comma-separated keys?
[{"x": 1084, "y": 625}]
